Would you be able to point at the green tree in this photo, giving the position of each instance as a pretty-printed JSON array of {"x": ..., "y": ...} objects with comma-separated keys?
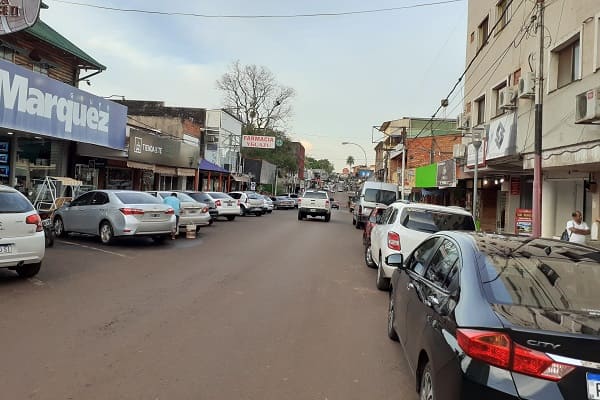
[
  {"x": 350, "y": 161},
  {"x": 284, "y": 157},
  {"x": 312, "y": 163}
]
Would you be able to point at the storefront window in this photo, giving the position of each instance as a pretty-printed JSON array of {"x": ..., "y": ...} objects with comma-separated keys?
[
  {"x": 89, "y": 176},
  {"x": 168, "y": 182},
  {"x": 147, "y": 180},
  {"x": 38, "y": 158},
  {"x": 118, "y": 178}
]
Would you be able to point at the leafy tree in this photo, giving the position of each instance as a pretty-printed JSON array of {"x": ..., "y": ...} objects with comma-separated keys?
[
  {"x": 255, "y": 94},
  {"x": 284, "y": 157},
  {"x": 311, "y": 163},
  {"x": 350, "y": 161}
]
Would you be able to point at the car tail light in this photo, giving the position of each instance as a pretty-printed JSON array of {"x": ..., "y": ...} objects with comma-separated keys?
[
  {"x": 218, "y": 203},
  {"x": 326, "y": 202},
  {"x": 498, "y": 349},
  {"x": 359, "y": 210},
  {"x": 299, "y": 200},
  {"x": 393, "y": 241},
  {"x": 131, "y": 211},
  {"x": 34, "y": 219},
  {"x": 238, "y": 202},
  {"x": 170, "y": 211},
  {"x": 204, "y": 210}
]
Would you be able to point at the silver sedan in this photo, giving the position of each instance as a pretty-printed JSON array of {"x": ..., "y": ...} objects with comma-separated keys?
[{"x": 112, "y": 213}]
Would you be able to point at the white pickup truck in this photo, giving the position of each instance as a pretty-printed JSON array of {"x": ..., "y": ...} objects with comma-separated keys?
[{"x": 314, "y": 203}]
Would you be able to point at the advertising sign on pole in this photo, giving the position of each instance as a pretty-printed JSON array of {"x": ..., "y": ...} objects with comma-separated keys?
[
  {"x": 16, "y": 15},
  {"x": 258, "y": 142},
  {"x": 524, "y": 221}
]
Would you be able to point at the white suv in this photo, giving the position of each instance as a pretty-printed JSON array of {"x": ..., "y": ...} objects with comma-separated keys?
[
  {"x": 404, "y": 225},
  {"x": 22, "y": 240}
]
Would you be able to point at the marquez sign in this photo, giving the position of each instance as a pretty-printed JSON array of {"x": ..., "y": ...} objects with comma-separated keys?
[{"x": 16, "y": 15}]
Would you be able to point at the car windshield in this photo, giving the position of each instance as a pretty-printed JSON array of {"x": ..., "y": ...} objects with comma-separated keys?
[
  {"x": 254, "y": 196},
  {"x": 556, "y": 283},
  {"x": 435, "y": 221},
  {"x": 315, "y": 195},
  {"x": 137, "y": 198},
  {"x": 218, "y": 195},
  {"x": 380, "y": 196},
  {"x": 197, "y": 196},
  {"x": 12, "y": 202}
]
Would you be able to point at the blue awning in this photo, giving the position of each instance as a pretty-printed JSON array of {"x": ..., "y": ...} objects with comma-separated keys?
[{"x": 205, "y": 165}]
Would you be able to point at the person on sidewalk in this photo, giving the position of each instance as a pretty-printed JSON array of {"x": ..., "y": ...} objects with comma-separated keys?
[
  {"x": 175, "y": 204},
  {"x": 577, "y": 228}
]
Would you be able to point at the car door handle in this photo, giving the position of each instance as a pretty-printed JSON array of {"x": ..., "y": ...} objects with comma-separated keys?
[{"x": 410, "y": 286}]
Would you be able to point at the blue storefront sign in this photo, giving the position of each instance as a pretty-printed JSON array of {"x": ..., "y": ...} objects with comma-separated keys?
[{"x": 31, "y": 102}]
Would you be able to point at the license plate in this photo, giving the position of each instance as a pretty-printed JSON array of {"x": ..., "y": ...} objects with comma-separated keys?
[
  {"x": 313, "y": 209},
  {"x": 229, "y": 203},
  {"x": 593, "y": 384},
  {"x": 6, "y": 248},
  {"x": 155, "y": 215},
  {"x": 192, "y": 212},
  {"x": 46, "y": 222}
]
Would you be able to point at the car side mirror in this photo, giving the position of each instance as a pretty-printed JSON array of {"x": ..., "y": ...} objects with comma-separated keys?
[{"x": 395, "y": 260}]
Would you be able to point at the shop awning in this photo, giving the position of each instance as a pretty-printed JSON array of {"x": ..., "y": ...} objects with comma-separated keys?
[
  {"x": 165, "y": 170},
  {"x": 241, "y": 178},
  {"x": 186, "y": 172},
  {"x": 205, "y": 165},
  {"x": 139, "y": 165}
]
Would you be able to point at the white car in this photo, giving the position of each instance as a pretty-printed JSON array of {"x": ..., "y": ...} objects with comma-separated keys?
[
  {"x": 404, "y": 225},
  {"x": 269, "y": 205},
  {"x": 22, "y": 239},
  {"x": 191, "y": 212}
]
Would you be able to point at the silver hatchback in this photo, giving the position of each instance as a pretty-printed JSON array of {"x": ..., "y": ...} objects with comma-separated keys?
[{"x": 113, "y": 213}]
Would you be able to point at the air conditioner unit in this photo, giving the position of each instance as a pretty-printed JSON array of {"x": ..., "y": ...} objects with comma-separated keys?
[
  {"x": 506, "y": 98},
  {"x": 459, "y": 150},
  {"x": 527, "y": 85},
  {"x": 587, "y": 107},
  {"x": 463, "y": 122}
]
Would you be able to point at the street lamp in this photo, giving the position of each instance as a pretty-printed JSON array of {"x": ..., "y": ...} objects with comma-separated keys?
[
  {"x": 363, "y": 150},
  {"x": 476, "y": 142}
]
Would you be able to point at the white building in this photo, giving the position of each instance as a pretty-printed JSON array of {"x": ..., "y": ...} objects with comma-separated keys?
[{"x": 222, "y": 139}]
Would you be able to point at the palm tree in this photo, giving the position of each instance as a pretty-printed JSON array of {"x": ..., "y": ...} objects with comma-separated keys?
[{"x": 350, "y": 161}]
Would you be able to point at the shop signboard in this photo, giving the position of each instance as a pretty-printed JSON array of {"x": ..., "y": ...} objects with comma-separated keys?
[
  {"x": 160, "y": 150},
  {"x": 33, "y": 103},
  {"x": 502, "y": 137},
  {"x": 16, "y": 15},
  {"x": 4, "y": 158},
  {"x": 426, "y": 177},
  {"x": 480, "y": 155},
  {"x": 446, "y": 173},
  {"x": 258, "y": 141},
  {"x": 524, "y": 221},
  {"x": 515, "y": 186}
]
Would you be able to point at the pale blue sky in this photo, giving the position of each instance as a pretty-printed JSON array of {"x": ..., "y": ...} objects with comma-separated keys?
[{"x": 350, "y": 72}]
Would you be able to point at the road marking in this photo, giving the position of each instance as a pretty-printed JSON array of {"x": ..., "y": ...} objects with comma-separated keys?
[{"x": 95, "y": 249}]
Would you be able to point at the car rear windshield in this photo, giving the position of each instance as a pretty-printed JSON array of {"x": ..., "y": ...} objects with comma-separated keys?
[
  {"x": 542, "y": 282},
  {"x": 218, "y": 195},
  {"x": 315, "y": 195},
  {"x": 12, "y": 202},
  {"x": 380, "y": 196},
  {"x": 254, "y": 196},
  {"x": 198, "y": 196},
  {"x": 435, "y": 221},
  {"x": 137, "y": 198}
]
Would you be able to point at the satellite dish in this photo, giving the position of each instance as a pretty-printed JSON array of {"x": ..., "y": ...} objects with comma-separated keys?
[{"x": 16, "y": 15}]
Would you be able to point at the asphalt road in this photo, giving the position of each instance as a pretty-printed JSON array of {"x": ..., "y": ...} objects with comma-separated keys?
[{"x": 259, "y": 308}]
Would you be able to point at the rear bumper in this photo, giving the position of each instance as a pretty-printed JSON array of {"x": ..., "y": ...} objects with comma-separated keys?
[
  {"x": 251, "y": 210},
  {"x": 196, "y": 219},
  {"x": 314, "y": 211},
  {"x": 228, "y": 211},
  {"x": 26, "y": 250}
]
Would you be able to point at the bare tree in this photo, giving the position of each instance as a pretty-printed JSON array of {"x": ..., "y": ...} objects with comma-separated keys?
[{"x": 256, "y": 95}]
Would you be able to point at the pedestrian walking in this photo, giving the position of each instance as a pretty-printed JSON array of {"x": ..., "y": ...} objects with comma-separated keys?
[
  {"x": 577, "y": 228},
  {"x": 175, "y": 204}
]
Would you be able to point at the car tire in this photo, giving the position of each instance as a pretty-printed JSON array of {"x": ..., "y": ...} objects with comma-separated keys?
[
  {"x": 358, "y": 225},
  {"x": 369, "y": 257},
  {"x": 382, "y": 282},
  {"x": 327, "y": 217},
  {"x": 353, "y": 221},
  {"x": 242, "y": 211},
  {"x": 426, "y": 388},
  {"x": 28, "y": 270},
  {"x": 49, "y": 238},
  {"x": 106, "y": 232},
  {"x": 230, "y": 217},
  {"x": 300, "y": 216},
  {"x": 391, "y": 331},
  {"x": 259, "y": 214},
  {"x": 59, "y": 227}
]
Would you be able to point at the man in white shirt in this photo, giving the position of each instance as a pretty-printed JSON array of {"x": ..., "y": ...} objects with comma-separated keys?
[{"x": 577, "y": 228}]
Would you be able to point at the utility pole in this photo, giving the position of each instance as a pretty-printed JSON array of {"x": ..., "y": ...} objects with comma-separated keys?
[{"x": 539, "y": 101}]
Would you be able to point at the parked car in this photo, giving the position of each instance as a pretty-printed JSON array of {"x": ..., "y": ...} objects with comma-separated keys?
[
  {"x": 371, "y": 195},
  {"x": 268, "y": 205},
  {"x": 191, "y": 212},
  {"x": 250, "y": 202},
  {"x": 203, "y": 197},
  {"x": 293, "y": 196},
  {"x": 374, "y": 217},
  {"x": 484, "y": 316},
  {"x": 22, "y": 239},
  {"x": 115, "y": 213},
  {"x": 334, "y": 204},
  {"x": 404, "y": 225},
  {"x": 224, "y": 205},
  {"x": 283, "y": 202}
]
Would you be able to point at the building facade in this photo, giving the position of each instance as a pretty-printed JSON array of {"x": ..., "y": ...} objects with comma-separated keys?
[{"x": 499, "y": 92}]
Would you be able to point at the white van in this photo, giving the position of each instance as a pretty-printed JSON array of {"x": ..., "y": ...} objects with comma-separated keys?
[{"x": 371, "y": 195}]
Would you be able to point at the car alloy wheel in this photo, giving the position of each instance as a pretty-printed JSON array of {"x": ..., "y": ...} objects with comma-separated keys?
[
  {"x": 59, "y": 227},
  {"x": 106, "y": 233},
  {"x": 382, "y": 282},
  {"x": 369, "y": 257},
  {"x": 427, "y": 392},
  {"x": 391, "y": 318}
]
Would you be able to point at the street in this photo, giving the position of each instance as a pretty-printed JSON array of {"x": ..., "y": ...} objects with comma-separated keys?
[{"x": 259, "y": 308}]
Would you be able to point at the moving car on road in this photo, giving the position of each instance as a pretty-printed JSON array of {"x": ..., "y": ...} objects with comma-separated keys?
[
  {"x": 314, "y": 203},
  {"x": 484, "y": 316},
  {"x": 22, "y": 240},
  {"x": 115, "y": 213},
  {"x": 404, "y": 225}
]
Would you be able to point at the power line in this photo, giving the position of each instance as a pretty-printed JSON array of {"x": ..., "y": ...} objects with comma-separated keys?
[{"x": 259, "y": 16}]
